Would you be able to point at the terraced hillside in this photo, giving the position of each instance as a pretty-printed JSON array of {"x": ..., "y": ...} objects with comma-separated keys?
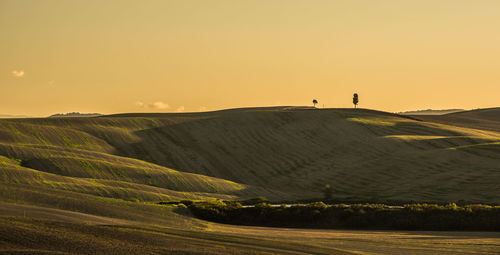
[{"x": 281, "y": 153}]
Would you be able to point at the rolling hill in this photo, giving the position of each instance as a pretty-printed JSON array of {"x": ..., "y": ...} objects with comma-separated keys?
[
  {"x": 431, "y": 112},
  {"x": 90, "y": 185},
  {"x": 279, "y": 152},
  {"x": 488, "y": 119}
]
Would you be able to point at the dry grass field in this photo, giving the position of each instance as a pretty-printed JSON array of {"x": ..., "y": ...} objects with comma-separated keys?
[
  {"x": 50, "y": 231},
  {"x": 89, "y": 185}
]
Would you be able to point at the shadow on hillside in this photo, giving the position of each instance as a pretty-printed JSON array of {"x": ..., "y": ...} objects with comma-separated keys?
[
  {"x": 207, "y": 145},
  {"x": 255, "y": 147}
]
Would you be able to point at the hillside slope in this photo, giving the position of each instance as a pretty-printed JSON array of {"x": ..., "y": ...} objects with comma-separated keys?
[
  {"x": 488, "y": 119},
  {"x": 280, "y": 152},
  {"x": 35, "y": 154}
]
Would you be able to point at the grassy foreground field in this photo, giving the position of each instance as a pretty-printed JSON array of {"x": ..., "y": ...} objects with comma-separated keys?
[
  {"x": 89, "y": 185},
  {"x": 49, "y": 231}
]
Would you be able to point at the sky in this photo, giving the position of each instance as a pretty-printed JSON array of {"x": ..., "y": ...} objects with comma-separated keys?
[{"x": 119, "y": 56}]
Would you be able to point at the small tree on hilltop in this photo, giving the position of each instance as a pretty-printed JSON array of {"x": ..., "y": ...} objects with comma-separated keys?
[
  {"x": 315, "y": 102},
  {"x": 355, "y": 100}
]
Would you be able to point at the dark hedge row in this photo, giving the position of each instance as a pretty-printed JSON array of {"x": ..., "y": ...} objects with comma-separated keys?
[{"x": 358, "y": 216}]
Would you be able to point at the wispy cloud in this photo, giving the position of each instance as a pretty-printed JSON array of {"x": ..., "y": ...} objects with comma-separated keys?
[
  {"x": 155, "y": 105},
  {"x": 18, "y": 73},
  {"x": 180, "y": 109},
  {"x": 160, "y": 105}
]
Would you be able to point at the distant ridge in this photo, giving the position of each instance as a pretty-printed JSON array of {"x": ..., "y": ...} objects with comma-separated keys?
[
  {"x": 431, "y": 112},
  {"x": 486, "y": 118},
  {"x": 74, "y": 114},
  {"x": 8, "y": 116}
]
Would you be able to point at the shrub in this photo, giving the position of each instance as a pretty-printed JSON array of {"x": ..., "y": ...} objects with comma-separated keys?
[{"x": 357, "y": 216}]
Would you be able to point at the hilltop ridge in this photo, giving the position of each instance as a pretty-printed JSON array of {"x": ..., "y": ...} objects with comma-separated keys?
[{"x": 74, "y": 114}]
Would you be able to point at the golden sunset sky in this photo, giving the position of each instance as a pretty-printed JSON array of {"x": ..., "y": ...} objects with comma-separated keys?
[{"x": 167, "y": 56}]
